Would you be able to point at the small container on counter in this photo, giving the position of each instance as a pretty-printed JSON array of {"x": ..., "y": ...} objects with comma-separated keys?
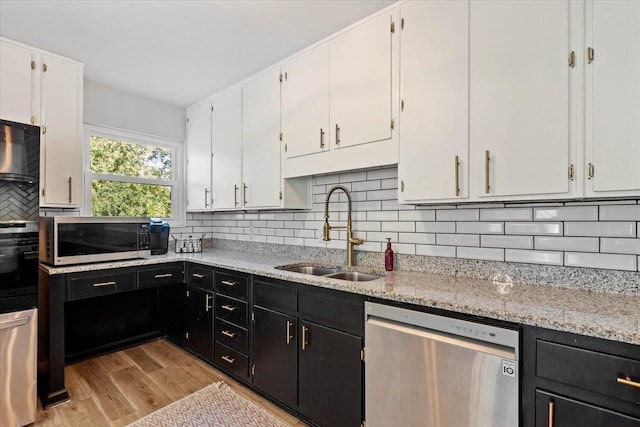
[{"x": 388, "y": 256}]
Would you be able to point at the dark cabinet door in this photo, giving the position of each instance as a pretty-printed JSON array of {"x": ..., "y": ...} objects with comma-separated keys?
[
  {"x": 330, "y": 376},
  {"x": 199, "y": 322},
  {"x": 275, "y": 355},
  {"x": 553, "y": 410},
  {"x": 171, "y": 303}
]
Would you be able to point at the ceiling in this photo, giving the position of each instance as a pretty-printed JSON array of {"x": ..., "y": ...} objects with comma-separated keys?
[{"x": 177, "y": 52}]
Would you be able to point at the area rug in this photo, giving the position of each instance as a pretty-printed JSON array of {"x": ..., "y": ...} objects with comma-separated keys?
[{"x": 215, "y": 405}]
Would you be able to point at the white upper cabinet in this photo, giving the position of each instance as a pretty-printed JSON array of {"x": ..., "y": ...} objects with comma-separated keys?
[
  {"x": 612, "y": 61},
  {"x": 61, "y": 130},
  {"x": 260, "y": 140},
  {"x": 305, "y": 103},
  {"x": 361, "y": 87},
  {"x": 434, "y": 117},
  {"x": 198, "y": 149},
  {"x": 227, "y": 150},
  {"x": 522, "y": 112},
  {"x": 19, "y": 68}
]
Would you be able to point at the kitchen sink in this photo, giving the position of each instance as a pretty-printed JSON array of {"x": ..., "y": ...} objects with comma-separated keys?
[
  {"x": 331, "y": 272},
  {"x": 354, "y": 276}
]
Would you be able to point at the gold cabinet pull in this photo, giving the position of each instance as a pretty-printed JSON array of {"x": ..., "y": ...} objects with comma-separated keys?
[
  {"x": 69, "y": 189},
  {"x": 228, "y": 359},
  {"x": 305, "y": 343},
  {"x": 321, "y": 138},
  {"x": 337, "y": 134},
  {"x": 229, "y": 307},
  {"x": 571, "y": 173},
  {"x": 457, "y": 169},
  {"x": 97, "y": 285},
  {"x": 229, "y": 334},
  {"x": 590, "y": 55},
  {"x": 289, "y": 336},
  {"x": 244, "y": 194},
  {"x": 590, "y": 170},
  {"x": 551, "y": 413},
  {"x": 572, "y": 59},
  {"x": 487, "y": 183},
  {"x": 207, "y": 307},
  {"x": 162, "y": 276},
  {"x": 228, "y": 283},
  {"x": 198, "y": 276},
  {"x": 235, "y": 195},
  {"x": 628, "y": 381}
]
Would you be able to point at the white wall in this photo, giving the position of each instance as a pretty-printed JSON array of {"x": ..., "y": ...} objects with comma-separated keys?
[{"x": 110, "y": 107}]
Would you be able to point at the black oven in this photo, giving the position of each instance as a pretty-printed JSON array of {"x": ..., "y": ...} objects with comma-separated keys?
[{"x": 18, "y": 265}]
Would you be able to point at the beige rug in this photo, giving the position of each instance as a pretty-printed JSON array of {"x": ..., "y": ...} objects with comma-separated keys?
[{"x": 215, "y": 405}]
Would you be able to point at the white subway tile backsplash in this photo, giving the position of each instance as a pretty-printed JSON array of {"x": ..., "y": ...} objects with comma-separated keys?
[
  {"x": 458, "y": 215},
  {"x": 399, "y": 226},
  {"x": 294, "y": 241},
  {"x": 366, "y": 226},
  {"x": 389, "y": 205},
  {"x": 601, "y": 229},
  {"x": 620, "y": 246},
  {"x": 305, "y": 233},
  {"x": 353, "y": 177},
  {"x": 458, "y": 239},
  {"x": 373, "y": 236},
  {"x": 382, "y": 173},
  {"x": 577, "y": 213},
  {"x": 516, "y": 242},
  {"x": 480, "y": 227},
  {"x": 606, "y": 261},
  {"x": 435, "y": 227},
  {"x": 533, "y": 228},
  {"x": 417, "y": 215},
  {"x": 489, "y": 254},
  {"x": 434, "y": 250},
  {"x": 509, "y": 214},
  {"x": 365, "y": 185},
  {"x": 401, "y": 248},
  {"x": 533, "y": 257},
  {"x": 382, "y": 216},
  {"x": 584, "y": 244},
  {"x": 620, "y": 213},
  {"x": 388, "y": 183},
  {"x": 326, "y": 179},
  {"x": 420, "y": 238}
]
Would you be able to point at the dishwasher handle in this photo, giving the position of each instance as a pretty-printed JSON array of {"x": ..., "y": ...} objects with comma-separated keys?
[{"x": 14, "y": 323}]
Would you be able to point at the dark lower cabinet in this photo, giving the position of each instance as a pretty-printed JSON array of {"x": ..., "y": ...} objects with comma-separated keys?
[
  {"x": 275, "y": 355},
  {"x": 553, "y": 410},
  {"x": 199, "y": 322},
  {"x": 171, "y": 302},
  {"x": 330, "y": 376}
]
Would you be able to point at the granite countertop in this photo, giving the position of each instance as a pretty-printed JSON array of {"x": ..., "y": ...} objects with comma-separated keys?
[{"x": 610, "y": 316}]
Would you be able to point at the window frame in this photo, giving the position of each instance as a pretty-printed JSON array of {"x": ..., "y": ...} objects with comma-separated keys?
[{"x": 177, "y": 148}]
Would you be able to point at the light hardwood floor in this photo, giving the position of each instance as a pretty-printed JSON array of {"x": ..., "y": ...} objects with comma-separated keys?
[{"x": 119, "y": 388}]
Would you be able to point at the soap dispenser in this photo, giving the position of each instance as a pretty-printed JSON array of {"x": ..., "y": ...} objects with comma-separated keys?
[{"x": 388, "y": 256}]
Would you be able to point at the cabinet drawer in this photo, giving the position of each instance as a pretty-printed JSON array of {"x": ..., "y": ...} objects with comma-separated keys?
[
  {"x": 589, "y": 370},
  {"x": 235, "y": 285},
  {"x": 555, "y": 410},
  {"x": 231, "y": 310},
  {"x": 201, "y": 277},
  {"x": 231, "y": 335},
  {"x": 160, "y": 275},
  {"x": 104, "y": 284},
  {"x": 231, "y": 361},
  {"x": 341, "y": 314},
  {"x": 271, "y": 295}
]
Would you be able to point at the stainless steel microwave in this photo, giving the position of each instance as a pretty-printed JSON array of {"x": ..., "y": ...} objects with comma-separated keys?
[{"x": 66, "y": 240}]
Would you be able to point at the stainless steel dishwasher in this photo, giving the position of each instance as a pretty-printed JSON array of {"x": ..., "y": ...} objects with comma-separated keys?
[{"x": 427, "y": 370}]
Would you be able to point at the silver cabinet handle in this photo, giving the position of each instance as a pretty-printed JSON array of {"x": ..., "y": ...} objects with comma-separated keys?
[
  {"x": 206, "y": 198},
  {"x": 235, "y": 195},
  {"x": 97, "y": 285},
  {"x": 487, "y": 184},
  {"x": 457, "y": 169},
  {"x": 590, "y": 170},
  {"x": 244, "y": 194},
  {"x": 162, "y": 276},
  {"x": 228, "y": 283}
]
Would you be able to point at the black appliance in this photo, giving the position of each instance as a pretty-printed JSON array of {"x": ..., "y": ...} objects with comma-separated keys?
[
  {"x": 18, "y": 265},
  {"x": 159, "y": 230}
]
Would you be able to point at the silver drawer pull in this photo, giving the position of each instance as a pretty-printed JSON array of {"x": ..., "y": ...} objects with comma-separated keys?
[
  {"x": 229, "y": 307},
  {"x": 228, "y": 359},
  {"x": 229, "y": 334},
  {"x": 628, "y": 381},
  {"x": 199, "y": 276},
  {"x": 162, "y": 276},
  {"x": 97, "y": 285},
  {"x": 229, "y": 283}
]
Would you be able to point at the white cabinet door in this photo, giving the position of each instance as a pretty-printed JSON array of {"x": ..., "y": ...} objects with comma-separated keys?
[
  {"x": 226, "y": 179},
  {"x": 434, "y": 72},
  {"x": 260, "y": 140},
  {"x": 520, "y": 85},
  {"x": 613, "y": 98},
  {"x": 361, "y": 98},
  {"x": 198, "y": 149},
  {"x": 17, "y": 78},
  {"x": 61, "y": 132},
  {"x": 305, "y": 103}
]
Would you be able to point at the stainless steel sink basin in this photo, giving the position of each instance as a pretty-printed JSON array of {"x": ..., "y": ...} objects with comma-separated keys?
[
  {"x": 354, "y": 276},
  {"x": 309, "y": 269}
]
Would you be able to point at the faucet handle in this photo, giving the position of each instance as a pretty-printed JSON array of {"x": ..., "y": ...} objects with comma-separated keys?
[
  {"x": 326, "y": 229},
  {"x": 356, "y": 241}
]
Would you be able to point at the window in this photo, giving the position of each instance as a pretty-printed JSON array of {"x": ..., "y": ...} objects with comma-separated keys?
[{"x": 128, "y": 174}]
